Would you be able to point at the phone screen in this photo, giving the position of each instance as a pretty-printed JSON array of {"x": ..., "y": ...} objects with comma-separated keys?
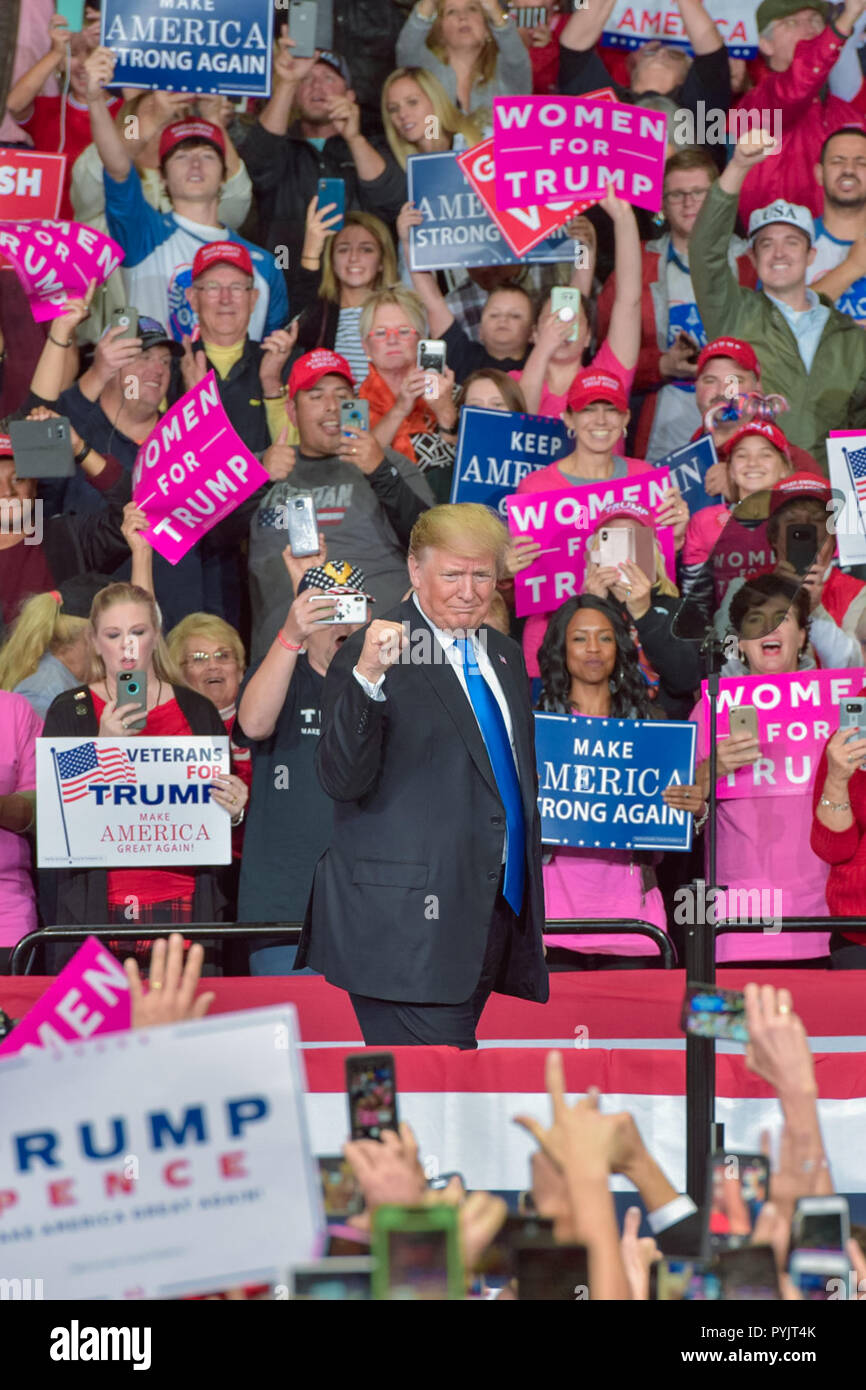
[
  {"x": 551, "y": 1272},
  {"x": 709, "y": 1012},
  {"x": 686, "y": 1281},
  {"x": 748, "y": 1274},
  {"x": 335, "y": 1284},
  {"x": 341, "y": 1195},
  {"x": 738, "y": 1190},
  {"x": 372, "y": 1090},
  {"x": 818, "y": 1230},
  {"x": 418, "y": 1265}
]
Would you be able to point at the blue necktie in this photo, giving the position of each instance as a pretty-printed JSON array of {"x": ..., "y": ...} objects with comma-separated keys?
[{"x": 495, "y": 734}]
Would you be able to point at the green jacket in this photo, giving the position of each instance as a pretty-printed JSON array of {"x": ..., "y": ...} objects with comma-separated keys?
[{"x": 832, "y": 396}]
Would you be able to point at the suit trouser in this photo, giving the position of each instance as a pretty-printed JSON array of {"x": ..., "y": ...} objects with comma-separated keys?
[{"x": 390, "y": 1023}]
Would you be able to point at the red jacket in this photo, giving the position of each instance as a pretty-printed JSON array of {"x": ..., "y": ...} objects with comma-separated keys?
[{"x": 795, "y": 100}]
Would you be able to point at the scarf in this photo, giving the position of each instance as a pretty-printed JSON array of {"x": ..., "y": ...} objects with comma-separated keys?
[{"x": 420, "y": 419}]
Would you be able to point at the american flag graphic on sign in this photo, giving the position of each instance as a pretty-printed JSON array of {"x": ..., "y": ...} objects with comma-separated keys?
[
  {"x": 80, "y": 767},
  {"x": 856, "y": 460}
]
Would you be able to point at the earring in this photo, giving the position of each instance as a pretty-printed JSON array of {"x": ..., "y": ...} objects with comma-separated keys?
[{"x": 570, "y": 431}]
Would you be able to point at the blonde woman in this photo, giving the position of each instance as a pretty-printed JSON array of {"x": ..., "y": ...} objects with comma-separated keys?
[
  {"x": 419, "y": 116},
  {"x": 338, "y": 271},
  {"x": 473, "y": 47},
  {"x": 126, "y": 633},
  {"x": 403, "y": 416},
  {"x": 647, "y": 604},
  {"x": 48, "y": 649}
]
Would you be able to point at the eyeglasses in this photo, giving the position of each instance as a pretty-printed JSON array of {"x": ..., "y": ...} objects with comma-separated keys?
[
  {"x": 404, "y": 333},
  {"x": 679, "y": 195},
  {"x": 212, "y": 288},
  {"x": 222, "y": 658}
]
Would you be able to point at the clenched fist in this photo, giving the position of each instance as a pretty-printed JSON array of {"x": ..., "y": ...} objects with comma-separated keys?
[{"x": 382, "y": 645}]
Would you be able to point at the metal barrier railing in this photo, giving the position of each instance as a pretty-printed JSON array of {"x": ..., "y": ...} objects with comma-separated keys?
[{"x": 288, "y": 933}]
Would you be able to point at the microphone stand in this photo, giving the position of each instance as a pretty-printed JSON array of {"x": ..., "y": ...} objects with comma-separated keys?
[{"x": 703, "y": 1135}]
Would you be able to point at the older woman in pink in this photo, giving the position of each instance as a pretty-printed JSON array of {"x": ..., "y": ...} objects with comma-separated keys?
[{"x": 19, "y": 729}]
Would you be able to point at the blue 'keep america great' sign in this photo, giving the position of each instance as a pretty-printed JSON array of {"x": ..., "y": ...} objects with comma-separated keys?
[
  {"x": 600, "y": 781},
  {"x": 497, "y": 448},
  {"x": 191, "y": 45},
  {"x": 689, "y": 467},
  {"x": 457, "y": 230}
]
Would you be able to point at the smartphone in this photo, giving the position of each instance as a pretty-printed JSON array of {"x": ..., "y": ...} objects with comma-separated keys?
[
  {"x": 743, "y": 719},
  {"x": 529, "y": 17},
  {"x": 302, "y": 525},
  {"x": 371, "y": 1089},
  {"x": 852, "y": 714},
  {"x": 416, "y": 1254},
  {"x": 820, "y": 1274},
  {"x": 748, "y": 1273},
  {"x": 615, "y": 545},
  {"x": 688, "y": 341},
  {"x": 738, "y": 1185},
  {"x": 132, "y": 690},
  {"x": 345, "y": 1280},
  {"x": 125, "y": 317},
  {"x": 821, "y": 1223},
  {"x": 73, "y": 13},
  {"x": 431, "y": 355},
  {"x": 545, "y": 1270},
  {"x": 684, "y": 1281},
  {"x": 354, "y": 415},
  {"x": 351, "y": 607},
  {"x": 565, "y": 302},
  {"x": 332, "y": 191},
  {"x": 801, "y": 545},
  {"x": 302, "y": 30},
  {"x": 709, "y": 1012},
  {"x": 341, "y": 1195},
  {"x": 498, "y": 1263},
  {"x": 42, "y": 448}
]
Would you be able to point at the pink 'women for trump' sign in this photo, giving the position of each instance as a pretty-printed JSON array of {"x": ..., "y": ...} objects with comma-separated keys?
[
  {"x": 56, "y": 261},
  {"x": 90, "y": 996},
  {"x": 192, "y": 471},
  {"x": 551, "y": 147},
  {"x": 564, "y": 523},
  {"x": 797, "y": 713}
]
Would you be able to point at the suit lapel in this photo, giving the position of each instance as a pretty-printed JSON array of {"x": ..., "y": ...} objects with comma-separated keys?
[
  {"x": 514, "y": 688},
  {"x": 444, "y": 681}
]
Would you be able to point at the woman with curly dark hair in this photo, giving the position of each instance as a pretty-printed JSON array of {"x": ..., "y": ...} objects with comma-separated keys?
[{"x": 589, "y": 666}]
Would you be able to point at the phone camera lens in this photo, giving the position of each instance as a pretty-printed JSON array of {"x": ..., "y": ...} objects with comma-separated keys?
[{"x": 132, "y": 688}]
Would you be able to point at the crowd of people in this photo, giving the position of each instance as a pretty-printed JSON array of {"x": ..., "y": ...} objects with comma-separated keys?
[{"x": 735, "y": 313}]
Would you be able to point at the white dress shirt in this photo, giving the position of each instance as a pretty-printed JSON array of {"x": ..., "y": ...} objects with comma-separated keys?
[{"x": 453, "y": 656}]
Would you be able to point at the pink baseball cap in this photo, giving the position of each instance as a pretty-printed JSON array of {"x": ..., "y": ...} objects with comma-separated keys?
[
  {"x": 229, "y": 252},
  {"x": 204, "y": 131},
  {"x": 635, "y": 511},
  {"x": 592, "y": 385},
  {"x": 314, "y": 365}
]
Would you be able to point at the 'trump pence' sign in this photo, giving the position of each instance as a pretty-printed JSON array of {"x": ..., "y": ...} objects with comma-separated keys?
[
  {"x": 159, "y": 1163},
  {"x": 546, "y": 148},
  {"x": 192, "y": 471}
]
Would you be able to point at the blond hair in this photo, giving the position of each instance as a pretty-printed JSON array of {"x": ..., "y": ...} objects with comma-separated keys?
[
  {"x": 484, "y": 67},
  {"x": 464, "y": 528},
  {"x": 398, "y": 295},
  {"x": 40, "y": 627},
  {"x": 204, "y": 625},
  {"x": 451, "y": 121},
  {"x": 113, "y": 594},
  {"x": 329, "y": 288}
]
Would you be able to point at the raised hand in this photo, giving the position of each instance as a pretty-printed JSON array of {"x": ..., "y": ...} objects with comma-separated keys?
[{"x": 170, "y": 996}]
